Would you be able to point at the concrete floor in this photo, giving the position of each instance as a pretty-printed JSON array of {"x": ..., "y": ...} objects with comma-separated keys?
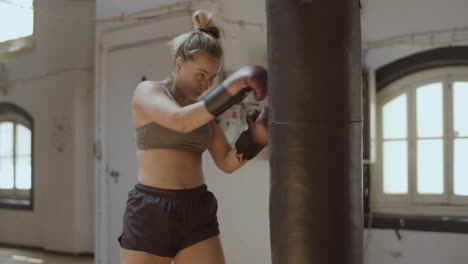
[{"x": 24, "y": 256}]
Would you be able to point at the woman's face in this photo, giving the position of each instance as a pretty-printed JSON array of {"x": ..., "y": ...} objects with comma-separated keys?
[{"x": 197, "y": 75}]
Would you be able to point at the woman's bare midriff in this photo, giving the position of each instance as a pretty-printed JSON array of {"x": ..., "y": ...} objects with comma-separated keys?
[
  {"x": 167, "y": 168},
  {"x": 170, "y": 168}
]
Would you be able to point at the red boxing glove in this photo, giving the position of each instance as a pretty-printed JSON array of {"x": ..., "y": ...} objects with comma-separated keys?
[
  {"x": 255, "y": 138},
  {"x": 235, "y": 88},
  {"x": 260, "y": 128},
  {"x": 253, "y": 76}
]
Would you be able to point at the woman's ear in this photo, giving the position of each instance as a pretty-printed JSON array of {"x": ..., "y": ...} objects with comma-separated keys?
[{"x": 179, "y": 62}]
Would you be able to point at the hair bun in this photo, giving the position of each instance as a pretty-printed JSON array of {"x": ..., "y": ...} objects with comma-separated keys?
[{"x": 202, "y": 21}]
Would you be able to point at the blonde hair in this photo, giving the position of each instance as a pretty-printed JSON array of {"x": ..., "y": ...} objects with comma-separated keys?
[{"x": 206, "y": 37}]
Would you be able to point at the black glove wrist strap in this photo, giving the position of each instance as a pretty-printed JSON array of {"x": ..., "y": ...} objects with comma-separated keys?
[
  {"x": 246, "y": 147},
  {"x": 218, "y": 100}
]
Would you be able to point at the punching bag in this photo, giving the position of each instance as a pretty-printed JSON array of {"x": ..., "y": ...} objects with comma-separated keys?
[{"x": 315, "y": 129}]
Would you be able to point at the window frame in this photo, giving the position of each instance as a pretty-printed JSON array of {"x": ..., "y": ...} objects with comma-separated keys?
[
  {"x": 412, "y": 203},
  {"x": 16, "y": 199},
  {"x": 454, "y": 199}
]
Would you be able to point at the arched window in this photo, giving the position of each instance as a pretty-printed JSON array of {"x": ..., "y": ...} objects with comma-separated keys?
[
  {"x": 422, "y": 143},
  {"x": 16, "y": 159}
]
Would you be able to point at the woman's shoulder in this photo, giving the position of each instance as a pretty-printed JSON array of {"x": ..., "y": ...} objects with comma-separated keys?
[
  {"x": 149, "y": 86},
  {"x": 145, "y": 93},
  {"x": 147, "y": 90}
]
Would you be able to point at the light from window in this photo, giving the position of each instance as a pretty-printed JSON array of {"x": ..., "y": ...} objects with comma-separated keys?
[
  {"x": 19, "y": 16},
  {"x": 461, "y": 167},
  {"x": 394, "y": 118},
  {"x": 460, "y": 109},
  {"x": 23, "y": 140},
  {"x": 23, "y": 157},
  {"x": 429, "y": 110},
  {"x": 395, "y": 146},
  {"x": 15, "y": 163},
  {"x": 429, "y": 123},
  {"x": 6, "y": 155},
  {"x": 395, "y": 167},
  {"x": 430, "y": 166}
]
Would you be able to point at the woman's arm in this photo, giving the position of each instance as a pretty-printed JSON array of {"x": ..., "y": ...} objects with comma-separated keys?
[
  {"x": 150, "y": 98},
  {"x": 224, "y": 155},
  {"x": 247, "y": 146}
]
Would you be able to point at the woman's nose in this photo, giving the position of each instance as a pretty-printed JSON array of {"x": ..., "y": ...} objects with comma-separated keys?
[{"x": 205, "y": 84}]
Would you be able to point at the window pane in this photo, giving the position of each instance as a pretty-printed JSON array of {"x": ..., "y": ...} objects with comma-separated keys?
[
  {"x": 460, "y": 172},
  {"x": 394, "y": 118},
  {"x": 23, "y": 140},
  {"x": 395, "y": 167},
  {"x": 18, "y": 13},
  {"x": 6, "y": 173},
  {"x": 6, "y": 139},
  {"x": 430, "y": 166},
  {"x": 429, "y": 110},
  {"x": 23, "y": 173},
  {"x": 460, "y": 108}
]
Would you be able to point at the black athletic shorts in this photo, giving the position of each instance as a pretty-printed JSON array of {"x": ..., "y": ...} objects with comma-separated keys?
[{"x": 163, "y": 221}]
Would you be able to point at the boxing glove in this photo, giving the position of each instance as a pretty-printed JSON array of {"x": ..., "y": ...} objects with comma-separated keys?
[
  {"x": 260, "y": 128},
  {"x": 255, "y": 138},
  {"x": 236, "y": 87}
]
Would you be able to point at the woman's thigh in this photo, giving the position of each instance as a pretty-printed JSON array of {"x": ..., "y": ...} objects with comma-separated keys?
[
  {"x": 208, "y": 251},
  {"x": 140, "y": 257}
]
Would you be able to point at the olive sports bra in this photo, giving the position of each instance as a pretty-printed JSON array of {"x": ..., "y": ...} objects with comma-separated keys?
[{"x": 155, "y": 136}]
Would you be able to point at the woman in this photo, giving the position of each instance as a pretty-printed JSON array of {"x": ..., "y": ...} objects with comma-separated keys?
[{"x": 170, "y": 214}]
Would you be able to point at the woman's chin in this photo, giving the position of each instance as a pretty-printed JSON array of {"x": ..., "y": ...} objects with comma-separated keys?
[{"x": 197, "y": 97}]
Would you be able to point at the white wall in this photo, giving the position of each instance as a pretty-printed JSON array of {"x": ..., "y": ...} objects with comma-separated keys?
[
  {"x": 54, "y": 83},
  {"x": 243, "y": 214},
  {"x": 385, "y": 19},
  {"x": 106, "y": 9}
]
